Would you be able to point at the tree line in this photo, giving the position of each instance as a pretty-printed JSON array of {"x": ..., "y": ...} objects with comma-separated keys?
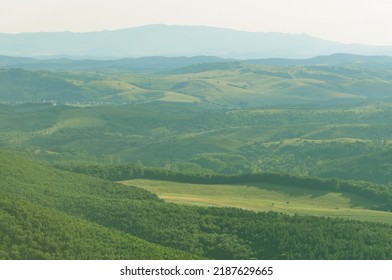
[{"x": 119, "y": 172}]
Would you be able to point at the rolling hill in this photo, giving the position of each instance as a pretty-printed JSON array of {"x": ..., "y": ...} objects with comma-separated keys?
[
  {"x": 35, "y": 225},
  {"x": 326, "y": 142},
  {"x": 47, "y": 213},
  {"x": 222, "y": 84},
  {"x": 142, "y": 64},
  {"x": 292, "y": 120},
  {"x": 156, "y": 64},
  {"x": 338, "y": 59}
]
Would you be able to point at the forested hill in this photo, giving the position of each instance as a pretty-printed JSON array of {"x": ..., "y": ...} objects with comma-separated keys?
[
  {"x": 40, "y": 207},
  {"x": 218, "y": 84},
  {"x": 36, "y": 220}
]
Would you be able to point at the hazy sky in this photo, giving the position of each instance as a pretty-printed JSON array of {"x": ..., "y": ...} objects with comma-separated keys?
[{"x": 349, "y": 21}]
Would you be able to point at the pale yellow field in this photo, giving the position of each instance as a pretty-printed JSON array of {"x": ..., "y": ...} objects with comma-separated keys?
[{"x": 265, "y": 197}]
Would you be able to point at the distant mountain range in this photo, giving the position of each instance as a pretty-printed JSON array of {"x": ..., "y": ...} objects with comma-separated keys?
[
  {"x": 164, "y": 40},
  {"x": 160, "y": 64},
  {"x": 143, "y": 64}
]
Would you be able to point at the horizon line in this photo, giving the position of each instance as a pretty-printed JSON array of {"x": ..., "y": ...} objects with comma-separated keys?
[{"x": 192, "y": 26}]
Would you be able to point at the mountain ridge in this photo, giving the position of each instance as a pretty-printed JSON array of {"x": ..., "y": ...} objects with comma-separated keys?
[
  {"x": 176, "y": 40},
  {"x": 153, "y": 64}
]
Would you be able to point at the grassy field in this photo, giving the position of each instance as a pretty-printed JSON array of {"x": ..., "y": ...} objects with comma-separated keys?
[{"x": 266, "y": 197}]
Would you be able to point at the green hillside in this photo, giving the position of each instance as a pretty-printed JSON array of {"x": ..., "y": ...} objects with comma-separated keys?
[
  {"x": 296, "y": 157},
  {"x": 18, "y": 85},
  {"x": 41, "y": 206},
  {"x": 29, "y": 231},
  {"x": 34, "y": 224},
  {"x": 222, "y": 84},
  {"x": 347, "y": 142}
]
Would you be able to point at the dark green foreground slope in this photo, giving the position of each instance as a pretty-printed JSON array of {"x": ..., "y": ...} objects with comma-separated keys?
[
  {"x": 29, "y": 231},
  {"x": 32, "y": 228},
  {"x": 47, "y": 213}
]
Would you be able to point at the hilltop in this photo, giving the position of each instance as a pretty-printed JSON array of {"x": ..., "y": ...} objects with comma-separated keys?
[{"x": 319, "y": 81}]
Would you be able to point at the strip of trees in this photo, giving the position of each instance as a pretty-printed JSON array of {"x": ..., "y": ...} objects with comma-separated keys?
[{"x": 379, "y": 193}]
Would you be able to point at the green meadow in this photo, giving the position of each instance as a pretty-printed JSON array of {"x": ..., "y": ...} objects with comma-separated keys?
[{"x": 267, "y": 197}]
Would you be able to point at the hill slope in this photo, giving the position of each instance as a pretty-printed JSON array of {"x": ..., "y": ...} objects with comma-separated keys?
[
  {"x": 324, "y": 142},
  {"x": 160, "y": 64},
  {"x": 29, "y": 231},
  {"x": 210, "y": 232},
  {"x": 233, "y": 84},
  {"x": 31, "y": 227},
  {"x": 142, "y": 64}
]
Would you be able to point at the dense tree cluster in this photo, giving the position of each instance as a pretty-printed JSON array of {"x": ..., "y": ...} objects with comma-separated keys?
[{"x": 29, "y": 231}]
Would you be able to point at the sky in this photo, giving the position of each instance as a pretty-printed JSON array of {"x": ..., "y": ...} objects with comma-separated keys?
[{"x": 347, "y": 21}]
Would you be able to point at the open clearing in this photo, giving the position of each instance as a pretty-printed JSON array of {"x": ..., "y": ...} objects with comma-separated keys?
[{"x": 267, "y": 197}]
